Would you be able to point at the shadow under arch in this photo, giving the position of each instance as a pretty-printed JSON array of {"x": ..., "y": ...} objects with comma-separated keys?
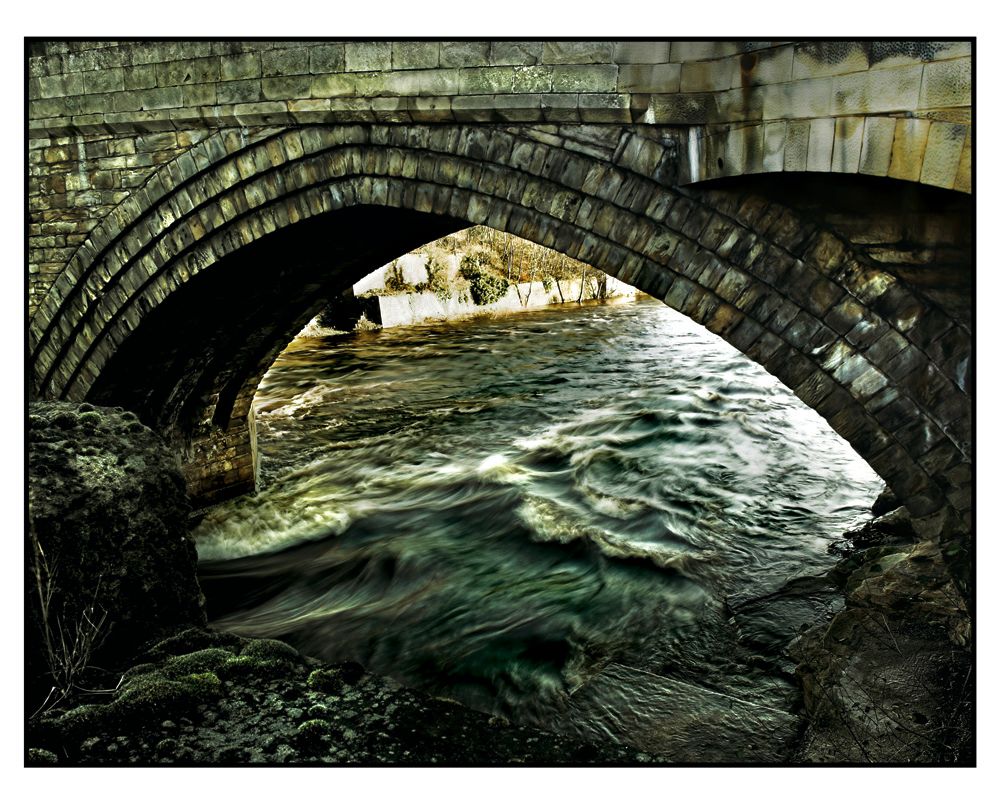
[{"x": 782, "y": 289}]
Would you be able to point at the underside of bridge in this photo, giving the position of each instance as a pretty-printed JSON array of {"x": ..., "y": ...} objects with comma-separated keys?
[{"x": 854, "y": 291}]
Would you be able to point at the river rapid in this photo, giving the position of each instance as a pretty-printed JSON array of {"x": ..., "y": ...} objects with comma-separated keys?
[{"x": 542, "y": 517}]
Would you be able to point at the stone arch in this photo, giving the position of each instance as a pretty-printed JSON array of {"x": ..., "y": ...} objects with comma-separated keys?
[{"x": 870, "y": 355}]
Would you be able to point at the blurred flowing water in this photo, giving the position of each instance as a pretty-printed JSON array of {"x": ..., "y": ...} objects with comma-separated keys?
[{"x": 541, "y": 517}]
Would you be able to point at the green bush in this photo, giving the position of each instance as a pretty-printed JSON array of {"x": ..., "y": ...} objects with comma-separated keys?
[{"x": 484, "y": 286}]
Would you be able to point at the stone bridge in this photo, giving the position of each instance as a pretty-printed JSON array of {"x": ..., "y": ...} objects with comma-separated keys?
[{"x": 193, "y": 204}]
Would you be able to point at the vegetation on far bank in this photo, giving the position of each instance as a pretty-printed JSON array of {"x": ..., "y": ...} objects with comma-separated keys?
[{"x": 483, "y": 263}]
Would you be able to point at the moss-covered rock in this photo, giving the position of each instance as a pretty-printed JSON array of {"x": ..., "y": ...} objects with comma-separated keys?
[
  {"x": 81, "y": 721},
  {"x": 325, "y": 680},
  {"x": 39, "y": 756},
  {"x": 208, "y": 660},
  {"x": 204, "y": 687},
  {"x": 310, "y": 735},
  {"x": 108, "y": 524},
  {"x": 191, "y": 640},
  {"x": 153, "y": 695},
  {"x": 156, "y": 695},
  {"x": 244, "y": 667},
  {"x": 273, "y": 650}
]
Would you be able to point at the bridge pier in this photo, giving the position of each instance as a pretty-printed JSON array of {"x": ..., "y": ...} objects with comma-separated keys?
[{"x": 221, "y": 463}]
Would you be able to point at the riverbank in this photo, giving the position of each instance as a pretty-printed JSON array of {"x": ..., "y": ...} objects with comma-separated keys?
[
  {"x": 209, "y": 698},
  {"x": 404, "y": 309},
  {"x": 474, "y": 272}
]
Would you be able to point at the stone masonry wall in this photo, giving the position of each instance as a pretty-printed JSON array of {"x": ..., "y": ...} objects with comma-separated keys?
[{"x": 103, "y": 115}]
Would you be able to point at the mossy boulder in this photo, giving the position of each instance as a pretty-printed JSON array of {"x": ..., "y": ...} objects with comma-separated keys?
[
  {"x": 208, "y": 660},
  {"x": 108, "y": 510},
  {"x": 82, "y": 721},
  {"x": 155, "y": 695},
  {"x": 40, "y": 756},
  {"x": 311, "y": 735},
  {"x": 271, "y": 650},
  {"x": 334, "y": 679},
  {"x": 191, "y": 640}
]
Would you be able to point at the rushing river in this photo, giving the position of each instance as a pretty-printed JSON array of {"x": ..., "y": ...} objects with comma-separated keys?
[{"x": 540, "y": 516}]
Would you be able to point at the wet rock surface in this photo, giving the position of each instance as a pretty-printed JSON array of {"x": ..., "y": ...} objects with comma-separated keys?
[
  {"x": 888, "y": 679},
  {"x": 108, "y": 531},
  {"x": 209, "y": 698},
  {"x": 880, "y": 645}
]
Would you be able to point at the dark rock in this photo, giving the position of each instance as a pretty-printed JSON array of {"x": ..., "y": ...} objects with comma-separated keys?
[
  {"x": 884, "y": 503},
  {"x": 888, "y": 679},
  {"x": 108, "y": 520},
  {"x": 892, "y": 528}
]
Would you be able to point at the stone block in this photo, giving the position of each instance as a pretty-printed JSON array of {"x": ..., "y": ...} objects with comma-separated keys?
[
  {"x": 262, "y": 113},
  {"x": 946, "y": 84},
  {"x": 156, "y": 142},
  {"x": 334, "y": 85},
  {"x": 818, "y": 59},
  {"x": 239, "y": 91},
  {"x": 598, "y": 78},
  {"x": 473, "y": 108},
  {"x": 796, "y": 145},
  {"x": 577, "y": 52},
  {"x": 820, "y": 150},
  {"x": 877, "y": 91},
  {"x": 286, "y": 87},
  {"x": 486, "y": 80},
  {"x": 200, "y": 95},
  {"x": 285, "y": 61},
  {"x": 367, "y": 56},
  {"x": 847, "y": 141},
  {"x": 58, "y": 86},
  {"x": 189, "y": 71},
  {"x": 326, "y": 58},
  {"x": 943, "y": 153},
  {"x": 240, "y": 66},
  {"x": 391, "y": 110},
  {"x": 649, "y": 78},
  {"x": 640, "y": 155},
  {"x": 876, "y": 145},
  {"x": 774, "y": 146},
  {"x": 464, "y": 54},
  {"x": 771, "y": 66},
  {"x": 510, "y": 53},
  {"x": 531, "y": 79},
  {"x": 797, "y": 99},
  {"x": 430, "y": 109},
  {"x": 642, "y": 52},
  {"x": 683, "y": 109},
  {"x": 414, "y": 55},
  {"x": 139, "y": 77},
  {"x": 909, "y": 142},
  {"x": 710, "y": 76},
  {"x": 562, "y": 108},
  {"x": 104, "y": 81},
  {"x": 603, "y": 109}
]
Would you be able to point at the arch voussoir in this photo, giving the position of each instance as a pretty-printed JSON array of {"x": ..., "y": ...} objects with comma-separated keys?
[{"x": 788, "y": 294}]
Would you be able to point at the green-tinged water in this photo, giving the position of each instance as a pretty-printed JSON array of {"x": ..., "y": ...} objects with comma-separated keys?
[{"x": 540, "y": 516}]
